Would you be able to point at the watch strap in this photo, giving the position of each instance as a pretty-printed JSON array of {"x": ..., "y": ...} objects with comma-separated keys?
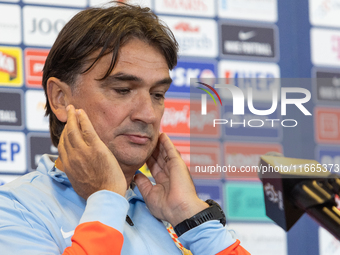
[{"x": 214, "y": 212}]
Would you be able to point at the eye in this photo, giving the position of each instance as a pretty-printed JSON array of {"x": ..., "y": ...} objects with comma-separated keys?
[
  {"x": 158, "y": 96},
  {"x": 122, "y": 91}
]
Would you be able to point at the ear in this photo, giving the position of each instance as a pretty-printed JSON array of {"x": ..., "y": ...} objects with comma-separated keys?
[{"x": 58, "y": 96}]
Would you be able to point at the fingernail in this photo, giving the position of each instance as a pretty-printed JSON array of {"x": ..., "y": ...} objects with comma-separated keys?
[
  {"x": 68, "y": 108},
  {"x": 78, "y": 111}
]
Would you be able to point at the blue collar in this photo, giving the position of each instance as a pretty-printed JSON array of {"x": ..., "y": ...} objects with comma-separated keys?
[{"x": 47, "y": 166}]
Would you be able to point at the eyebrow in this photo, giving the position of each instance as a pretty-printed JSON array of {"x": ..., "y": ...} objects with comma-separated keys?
[{"x": 111, "y": 79}]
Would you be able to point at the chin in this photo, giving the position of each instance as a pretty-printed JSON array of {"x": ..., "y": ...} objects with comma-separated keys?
[{"x": 134, "y": 158}]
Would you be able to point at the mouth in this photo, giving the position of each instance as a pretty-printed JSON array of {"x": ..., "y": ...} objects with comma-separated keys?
[{"x": 138, "y": 139}]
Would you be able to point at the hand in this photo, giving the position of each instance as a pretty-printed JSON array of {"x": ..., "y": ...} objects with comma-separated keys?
[
  {"x": 174, "y": 197},
  {"x": 87, "y": 162}
]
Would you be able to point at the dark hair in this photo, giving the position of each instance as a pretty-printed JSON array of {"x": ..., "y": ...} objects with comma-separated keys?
[{"x": 106, "y": 28}]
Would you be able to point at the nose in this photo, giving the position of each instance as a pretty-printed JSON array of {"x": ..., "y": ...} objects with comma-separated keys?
[{"x": 144, "y": 108}]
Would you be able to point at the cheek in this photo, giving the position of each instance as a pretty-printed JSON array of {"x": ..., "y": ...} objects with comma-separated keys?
[
  {"x": 105, "y": 118},
  {"x": 161, "y": 112}
]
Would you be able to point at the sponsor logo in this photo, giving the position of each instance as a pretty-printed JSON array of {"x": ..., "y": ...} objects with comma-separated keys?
[
  {"x": 11, "y": 109},
  {"x": 35, "y": 111},
  {"x": 324, "y": 12},
  {"x": 205, "y": 8},
  {"x": 38, "y": 145},
  {"x": 196, "y": 37},
  {"x": 325, "y": 47},
  {"x": 176, "y": 117},
  {"x": 327, "y": 85},
  {"x": 248, "y": 41},
  {"x": 209, "y": 190},
  {"x": 183, "y": 118},
  {"x": 327, "y": 125},
  {"x": 260, "y": 77},
  {"x": 143, "y": 3},
  {"x": 8, "y": 64},
  {"x": 186, "y": 74},
  {"x": 76, "y": 3},
  {"x": 34, "y": 62},
  {"x": 199, "y": 153},
  {"x": 12, "y": 152},
  {"x": 200, "y": 125},
  {"x": 11, "y": 66},
  {"x": 42, "y": 24},
  {"x": 244, "y": 36},
  {"x": 257, "y": 238},
  {"x": 329, "y": 157},
  {"x": 259, "y": 10},
  {"x": 66, "y": 234},
  {"x": 245, "y": 201},
  {"x": 247, "y": 156},
  {"x": 204, "y": 154},
  {"x": 10, "y": 24},
  {"x": 186, "y": 27}
]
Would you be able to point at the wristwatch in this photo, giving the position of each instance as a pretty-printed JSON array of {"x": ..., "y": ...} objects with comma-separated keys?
[{"x": 213, "y": 212}]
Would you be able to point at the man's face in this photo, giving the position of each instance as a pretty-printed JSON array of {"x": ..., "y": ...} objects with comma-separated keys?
[{"x": 126, "y": 108}]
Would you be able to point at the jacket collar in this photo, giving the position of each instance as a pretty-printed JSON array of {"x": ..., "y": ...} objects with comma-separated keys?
[{"x": 47, "y": 166}]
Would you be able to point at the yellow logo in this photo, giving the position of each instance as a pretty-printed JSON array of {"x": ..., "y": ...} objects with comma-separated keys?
[
  {"x": 11, "y": 66},
  {"x": 145, "y": 170}
]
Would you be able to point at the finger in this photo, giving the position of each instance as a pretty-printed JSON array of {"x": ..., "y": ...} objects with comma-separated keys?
[
  {"x": 167, "y": 146},
  {"x": 144, "y": 184},
  {"x": 87, "y": 130},
  {"x": 62, "y": 151},
  {"x": 154, "y": 167},
  {"x": 72, "y": 131},
  {"x": 159, "y": 155}
]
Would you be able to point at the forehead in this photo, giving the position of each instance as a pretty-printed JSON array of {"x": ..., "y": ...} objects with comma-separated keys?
[{"x": 134, "y": 55}]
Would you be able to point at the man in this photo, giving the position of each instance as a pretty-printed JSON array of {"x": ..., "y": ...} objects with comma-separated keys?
[{"x": 105, "y": 79}]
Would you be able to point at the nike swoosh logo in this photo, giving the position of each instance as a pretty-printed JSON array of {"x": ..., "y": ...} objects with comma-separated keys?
[
  {"x": 243, "y": 36},
  {"x": 66, "y": 234}
]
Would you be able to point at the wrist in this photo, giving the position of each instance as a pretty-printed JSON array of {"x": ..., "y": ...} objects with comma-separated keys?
[
  {"x": 187, "y": 210},
  {"x": 213, "y": 212}
]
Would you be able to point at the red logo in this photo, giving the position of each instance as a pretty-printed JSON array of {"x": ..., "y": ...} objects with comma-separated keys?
[
  {"x": 183, "y": 118},
  {"x": 176, "y": 117},
  {"x": 34, "y": 62},
  {"x": 191, "y": 5},
  {"x": 186, "y": 27},
  {"x": 8, "y": 64},
  {"x": 245, "y": 158},
  {"x": 327, "y": 125},
  {"x": 200, "y": 154}
]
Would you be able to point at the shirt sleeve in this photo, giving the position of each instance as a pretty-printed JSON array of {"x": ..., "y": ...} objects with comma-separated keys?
[
  {"x": 99, "y": 232},
  {"x": 211, "y": 238},
  {"x": 22, "y": 232}
]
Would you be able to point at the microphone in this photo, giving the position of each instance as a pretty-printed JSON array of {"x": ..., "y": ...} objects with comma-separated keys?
[{"x": 294, "y": 186}]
